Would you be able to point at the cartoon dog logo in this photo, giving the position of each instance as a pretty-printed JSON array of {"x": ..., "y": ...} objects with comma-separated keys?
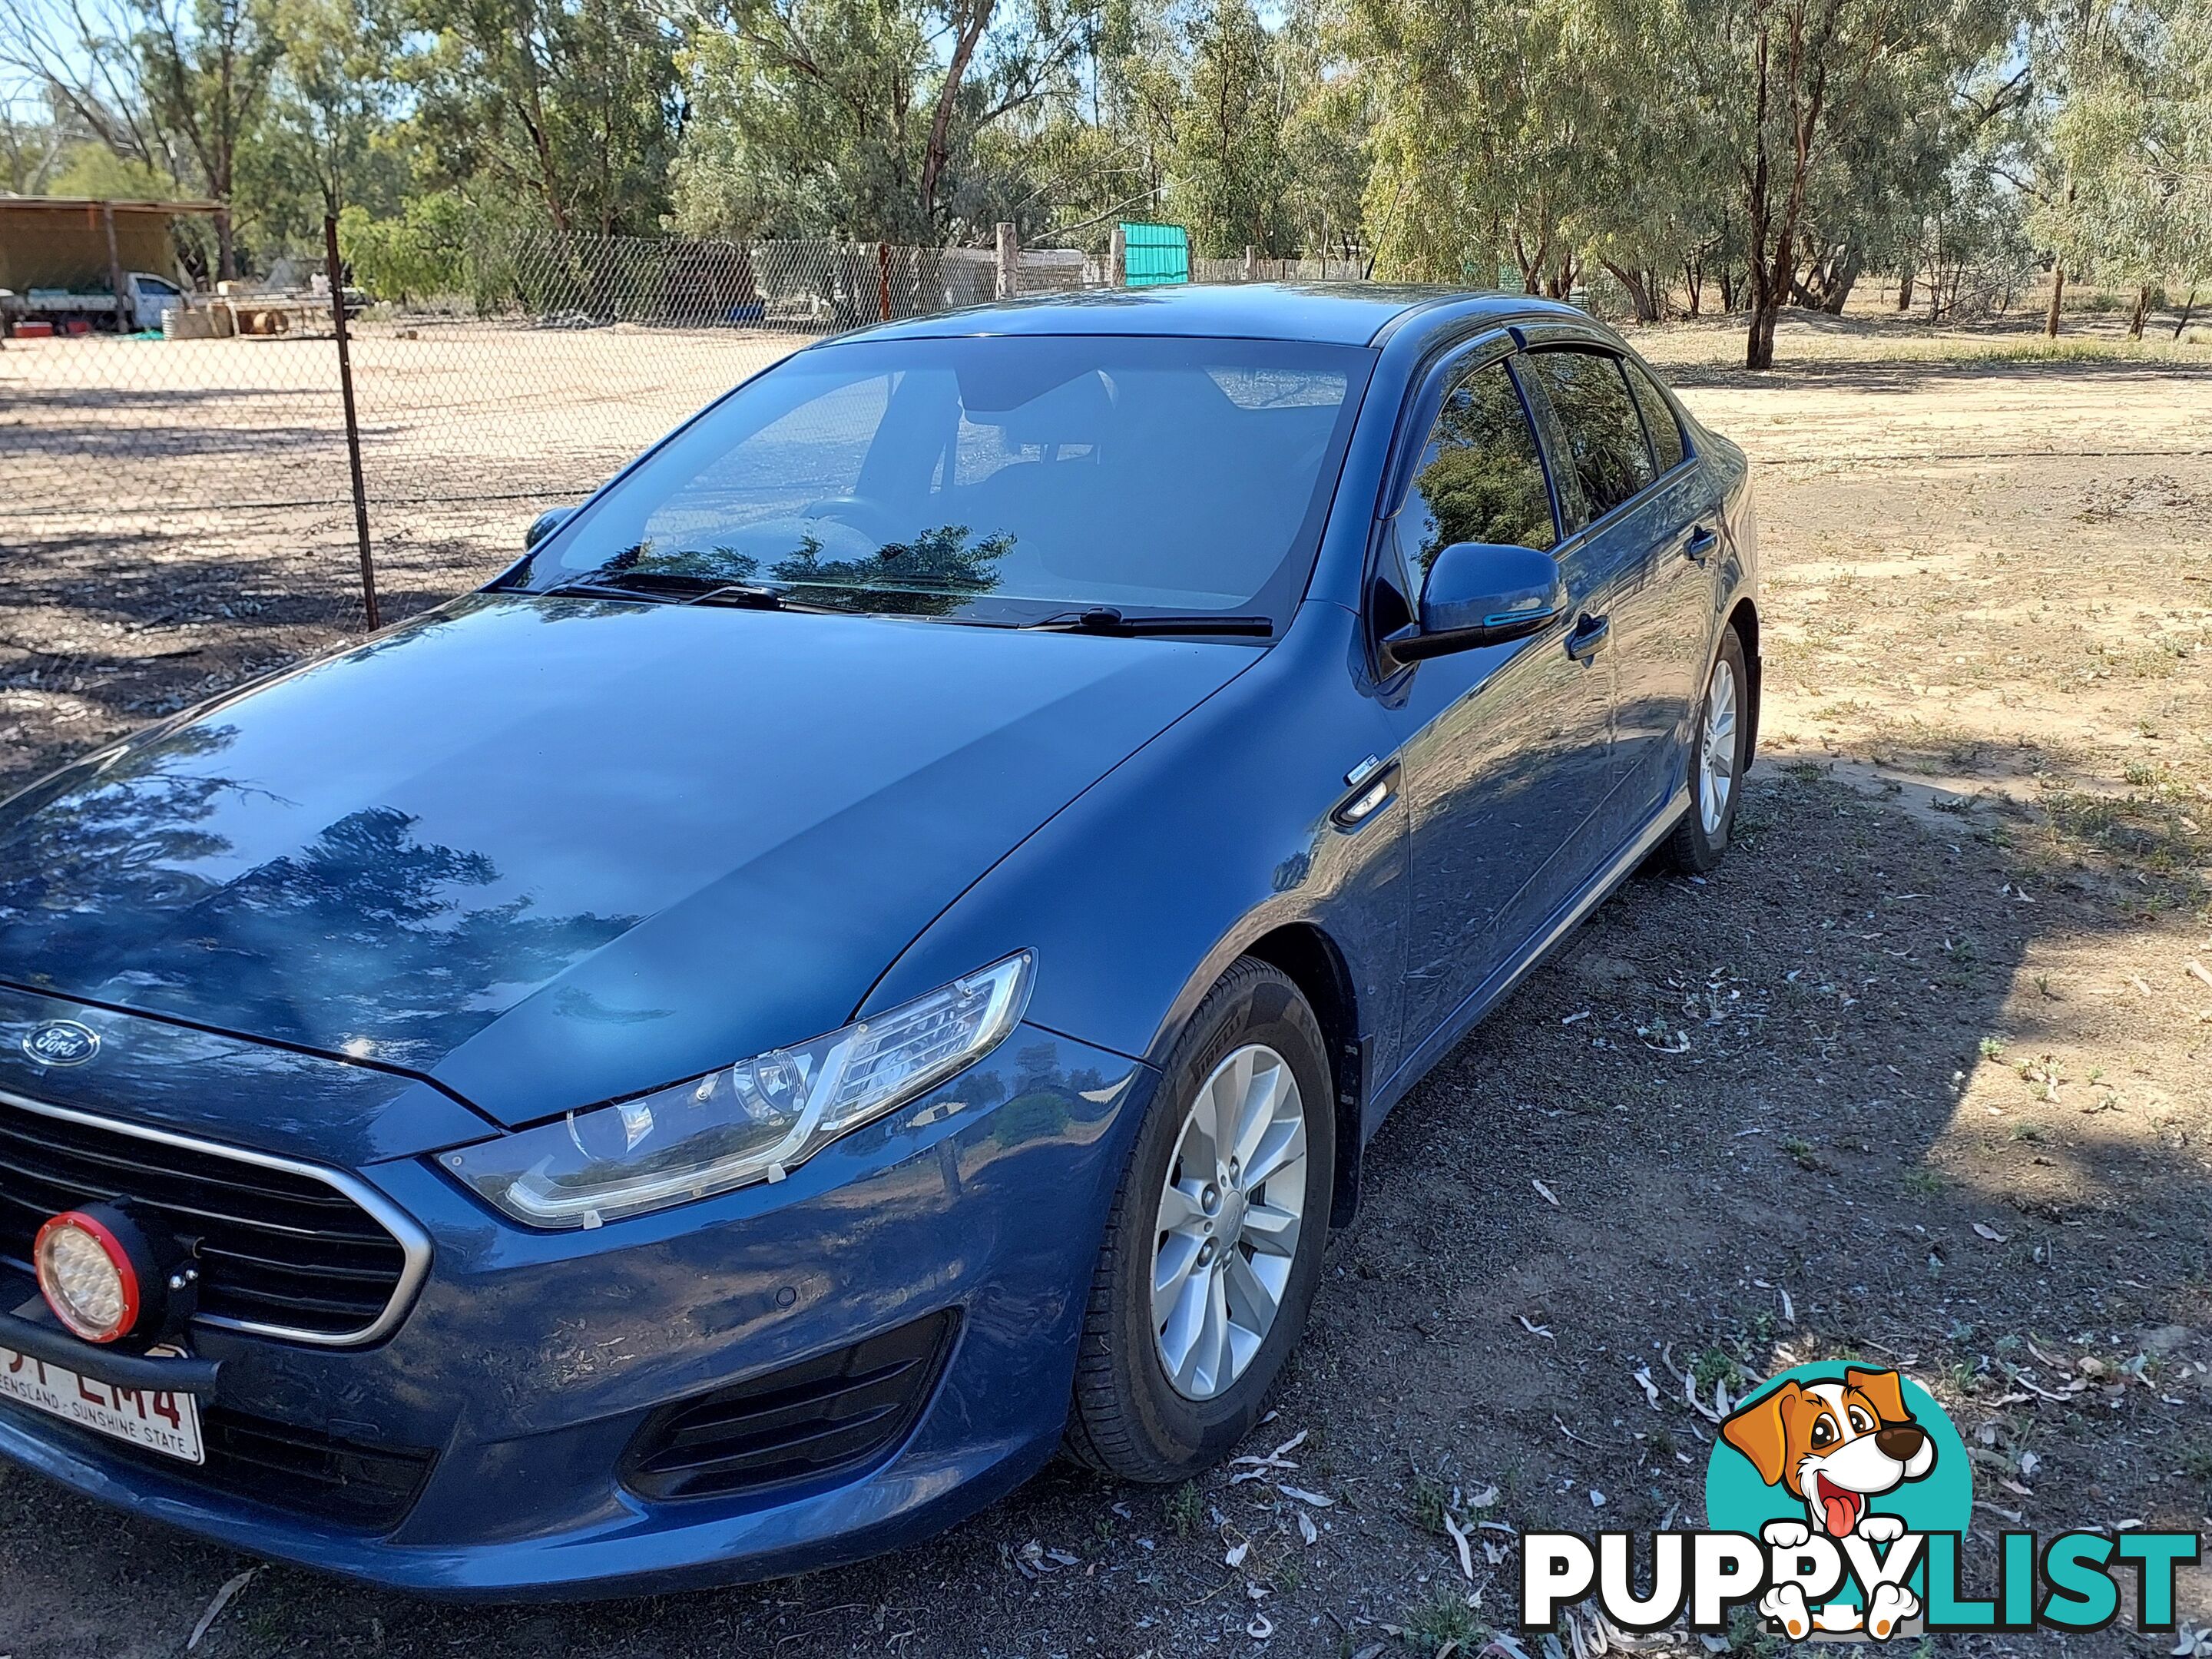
[{"x": 1835, "y": 1446}]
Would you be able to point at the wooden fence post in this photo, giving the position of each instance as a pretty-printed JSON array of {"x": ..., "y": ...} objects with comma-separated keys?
[
  {"x": 124, "y": 320},
  {"x": 1251, "y": 263},
  {"x": 1010, "y": 262},
  {"x": 1119, "y": 255}
]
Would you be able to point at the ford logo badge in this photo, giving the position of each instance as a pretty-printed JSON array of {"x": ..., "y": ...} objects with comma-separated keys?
[{"x": 62, "y": 1042}]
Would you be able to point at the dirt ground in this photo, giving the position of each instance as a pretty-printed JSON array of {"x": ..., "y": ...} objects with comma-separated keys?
[{"x": 1918, "y": 1075}]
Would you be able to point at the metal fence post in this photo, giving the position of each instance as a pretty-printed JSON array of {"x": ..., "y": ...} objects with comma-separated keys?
[
  {"x": 1010, "y": 262},
  {"x": 1121, "y": 257},
  {"x": 352, "y": 423}
]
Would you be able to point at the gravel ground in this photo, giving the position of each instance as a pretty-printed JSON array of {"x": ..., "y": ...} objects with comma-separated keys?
[{"x": 1943, "y": 1102}]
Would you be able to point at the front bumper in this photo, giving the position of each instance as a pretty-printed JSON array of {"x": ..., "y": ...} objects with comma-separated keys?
[{"x": 531, "y": 1361}]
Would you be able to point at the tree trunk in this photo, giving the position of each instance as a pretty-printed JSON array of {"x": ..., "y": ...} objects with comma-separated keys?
[
  {"x": 1770, "y": 275},
  {"x": 2058, "y": 292},
  {"x": 1640, "y": 291},
  {"x": 1693, "y": 281},
  {"x": 2187, "y": 305},
  {"x": 1841, "y": 279},
  {"x": 1905, "y": 289},
  {"x": 2142, "y": 310}
]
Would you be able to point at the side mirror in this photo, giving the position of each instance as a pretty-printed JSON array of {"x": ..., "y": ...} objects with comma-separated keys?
[
  {"x": 546, "y": 524},
  {"x": 1482, "y": 593}
]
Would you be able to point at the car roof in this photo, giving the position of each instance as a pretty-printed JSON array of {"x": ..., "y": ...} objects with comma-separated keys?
[{"x": 1331, "y": 314}]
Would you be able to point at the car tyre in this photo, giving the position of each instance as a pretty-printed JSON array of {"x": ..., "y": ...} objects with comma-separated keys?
[
  {"x": 1255, "y": 1033},
  {"x": 1716, "y": 763}
]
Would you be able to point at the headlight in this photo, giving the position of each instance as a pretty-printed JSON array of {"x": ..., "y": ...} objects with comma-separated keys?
[{"x": 751, "y": 1121}]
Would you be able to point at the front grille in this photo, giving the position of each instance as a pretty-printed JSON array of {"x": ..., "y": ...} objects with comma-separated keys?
[
  {"x": 280, "y": 1249},
  {"x": 822, "y": 1417},
  {"x": 301, "y": 1472}
]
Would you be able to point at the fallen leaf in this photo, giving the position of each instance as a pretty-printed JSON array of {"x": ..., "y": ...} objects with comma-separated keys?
[
  {"x": 1544, "y": 1193},
  {"x": 1991, "y": 1233},
  {"x": 1307, "y": 1529},
  {"x": 230, "y": 1592},
  {"x": 1304, "y": 1496},
  {"x": 1458, "y": 1542}
]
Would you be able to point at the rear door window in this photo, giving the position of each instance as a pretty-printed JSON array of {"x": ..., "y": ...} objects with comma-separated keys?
[
  {"x": 1604, "y": 435},
  {"x": 1665, "y": 432}
]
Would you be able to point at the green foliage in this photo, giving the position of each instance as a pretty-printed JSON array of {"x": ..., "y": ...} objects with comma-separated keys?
[
  {"x": 1186, "y": 1509},
  {"x": 2128, "y": 163},
  {"x": 423, "y": 252},
  {"x": 868, "y": 119},
  {"x": 89, "y": 168},
  {"x": 1444, "y": 1620},
  {"x": 571, "y": 105},
  {"x": 1229, "y": 175}
]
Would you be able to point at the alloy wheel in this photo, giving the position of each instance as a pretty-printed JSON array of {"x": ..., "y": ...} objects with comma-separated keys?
[
  {"x": 1716, "y": 749},
  {"x": 1230, "y": 1212}
]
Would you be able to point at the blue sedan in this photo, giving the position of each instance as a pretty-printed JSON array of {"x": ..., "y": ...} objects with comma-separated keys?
[{"x": 868, "y": 959}]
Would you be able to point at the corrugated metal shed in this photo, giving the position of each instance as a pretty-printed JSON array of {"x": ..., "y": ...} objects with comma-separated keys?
[{"x": 61, "y": 241}]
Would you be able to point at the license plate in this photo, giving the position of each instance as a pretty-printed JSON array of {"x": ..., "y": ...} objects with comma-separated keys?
[{"x": 158, "y": 1419}]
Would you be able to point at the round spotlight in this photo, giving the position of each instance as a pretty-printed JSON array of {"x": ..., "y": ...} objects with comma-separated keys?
[{"x": 87, "y": 1275}]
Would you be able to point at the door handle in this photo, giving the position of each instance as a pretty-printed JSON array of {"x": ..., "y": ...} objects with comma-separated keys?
[
  {"x": 1590, "y": 635},
  {"x": 1701, "y": 544}
]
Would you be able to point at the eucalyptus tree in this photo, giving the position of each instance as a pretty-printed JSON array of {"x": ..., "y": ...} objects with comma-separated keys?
[
  {"x": 1481, "y": 138},
  {"x": 866, "y": 118},
  {"x": 2128, "y": 191},
  {"x": 1229, "y": 172},
  {"x": 1796, "y": 87},
  {"x": 332, "y": 137},
  {"x": 573, "y": 107}
]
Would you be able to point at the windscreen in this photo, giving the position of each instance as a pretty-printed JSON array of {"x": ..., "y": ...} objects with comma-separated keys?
[{"x": 1007, "y": 479}]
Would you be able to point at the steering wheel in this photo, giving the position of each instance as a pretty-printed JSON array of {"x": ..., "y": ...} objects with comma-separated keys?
[{"x": 871, "y": 517}]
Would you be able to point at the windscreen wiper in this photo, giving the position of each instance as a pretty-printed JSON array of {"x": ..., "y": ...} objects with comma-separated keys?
[
  {"x": 678, "y": 587},
  {"x": 1106, "y": 619}
]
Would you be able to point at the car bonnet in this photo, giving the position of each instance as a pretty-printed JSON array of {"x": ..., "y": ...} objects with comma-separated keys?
[{"x": 546, "y": 852}]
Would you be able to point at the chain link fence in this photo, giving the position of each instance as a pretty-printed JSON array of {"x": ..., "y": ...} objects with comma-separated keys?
[{"x": 216, "y": 450}]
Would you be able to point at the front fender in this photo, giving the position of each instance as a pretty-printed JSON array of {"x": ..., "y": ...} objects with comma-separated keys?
[{"x": 1139, "y": 895}]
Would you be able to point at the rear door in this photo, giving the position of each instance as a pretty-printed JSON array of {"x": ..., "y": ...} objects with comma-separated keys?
[
  {"x": 1638, "y": 510},
  {"x": 1667, "y": 633}
]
